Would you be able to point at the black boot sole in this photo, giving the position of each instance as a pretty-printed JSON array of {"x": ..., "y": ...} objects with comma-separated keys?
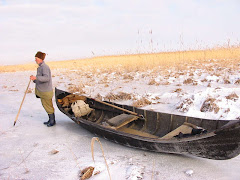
[{"x": 49, "y": 125}]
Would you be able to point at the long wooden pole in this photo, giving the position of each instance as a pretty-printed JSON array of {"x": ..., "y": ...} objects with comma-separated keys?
[
  {"x": 21, "y": 104},
  {"x": 130, "y": 112}
]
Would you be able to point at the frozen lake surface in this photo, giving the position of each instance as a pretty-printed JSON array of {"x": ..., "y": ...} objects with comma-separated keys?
[{"x": 26, "y": 150}]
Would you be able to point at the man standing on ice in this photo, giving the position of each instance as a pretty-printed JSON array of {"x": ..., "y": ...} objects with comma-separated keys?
[{"x": 43, "y": 89}]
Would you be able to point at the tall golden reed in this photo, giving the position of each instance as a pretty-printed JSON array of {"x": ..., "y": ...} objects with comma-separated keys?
[{"x": 140, "y": 62}]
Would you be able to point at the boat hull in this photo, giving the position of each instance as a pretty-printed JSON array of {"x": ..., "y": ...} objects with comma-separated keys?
[{"x": 220, "y": 144}]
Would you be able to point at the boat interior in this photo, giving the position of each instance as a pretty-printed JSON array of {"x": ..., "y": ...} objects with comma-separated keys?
[{"x": 141, "y": 122}]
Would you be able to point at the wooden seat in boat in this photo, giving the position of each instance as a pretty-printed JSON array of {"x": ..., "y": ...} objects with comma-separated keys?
[
  {"x": 185, "y": 128},
  {"x": 121, "y": 120}
]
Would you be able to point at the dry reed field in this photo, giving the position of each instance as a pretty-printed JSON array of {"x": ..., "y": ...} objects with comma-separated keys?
[
  {"x": 226, "y": 57},
  {"x": 144, "y": 80}
]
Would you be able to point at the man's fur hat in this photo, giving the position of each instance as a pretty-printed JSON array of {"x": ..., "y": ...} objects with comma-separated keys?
[{"x": 40, "y": 55}]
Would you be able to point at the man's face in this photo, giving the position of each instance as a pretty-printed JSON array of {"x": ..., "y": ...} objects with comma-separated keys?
[{"x": 38, "y": 60}]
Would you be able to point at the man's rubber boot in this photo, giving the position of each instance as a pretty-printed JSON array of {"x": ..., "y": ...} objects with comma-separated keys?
[
  {"x": 47, "y": 121},
  {"x": 52, "y": 121}
]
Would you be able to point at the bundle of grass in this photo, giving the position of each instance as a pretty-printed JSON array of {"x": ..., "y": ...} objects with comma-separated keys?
[
  {"x": 204, "y": 80},
  {"x": 119, "y": 96},
  {"x": 226, "y": 81},
  {"x": 164, "y": 83},
  {"x": 237, "y": 82},
  {"x": 153, "y": 82},
  {"x": 124, "y": 96},
  {"x": 178, "y": 90},
  {"x": 141, "y": 102},
  {"x": 233, "y": 96},
  {"x": 190, "y": 81},
  {"x": 185, "y": 105},
  {"x": 99, "y": 97},
  {"x": 128, "y": 76},
  {"x": 76, "y": 89},
  {"x": 111, "y": 97},
  {"x": 86, "y": 173},
  {"x": 209, "y": 105}
]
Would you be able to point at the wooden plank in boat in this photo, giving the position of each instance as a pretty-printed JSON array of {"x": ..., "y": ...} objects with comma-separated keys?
[
  {"x": 151, "y": 124},
  {"x": 196, "y": 121},
  {"x": 136, "y": 132},
  {"x": 209, "y": 125},
  {"x": 164, "y": 124},
  {"x": 177, "y": 121}
]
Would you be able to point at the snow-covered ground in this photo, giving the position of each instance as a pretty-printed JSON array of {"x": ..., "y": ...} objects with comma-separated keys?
[{"x": 30, "y": 150}]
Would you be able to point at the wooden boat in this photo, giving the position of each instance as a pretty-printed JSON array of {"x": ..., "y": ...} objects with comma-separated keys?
[{"x": 156, "y": 131}]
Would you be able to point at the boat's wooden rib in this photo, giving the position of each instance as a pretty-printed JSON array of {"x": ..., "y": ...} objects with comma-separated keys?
[{"x": 222, "y": 140}]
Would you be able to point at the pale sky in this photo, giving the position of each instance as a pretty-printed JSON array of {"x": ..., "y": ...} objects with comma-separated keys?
[{"x": 70, "y": 29}]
